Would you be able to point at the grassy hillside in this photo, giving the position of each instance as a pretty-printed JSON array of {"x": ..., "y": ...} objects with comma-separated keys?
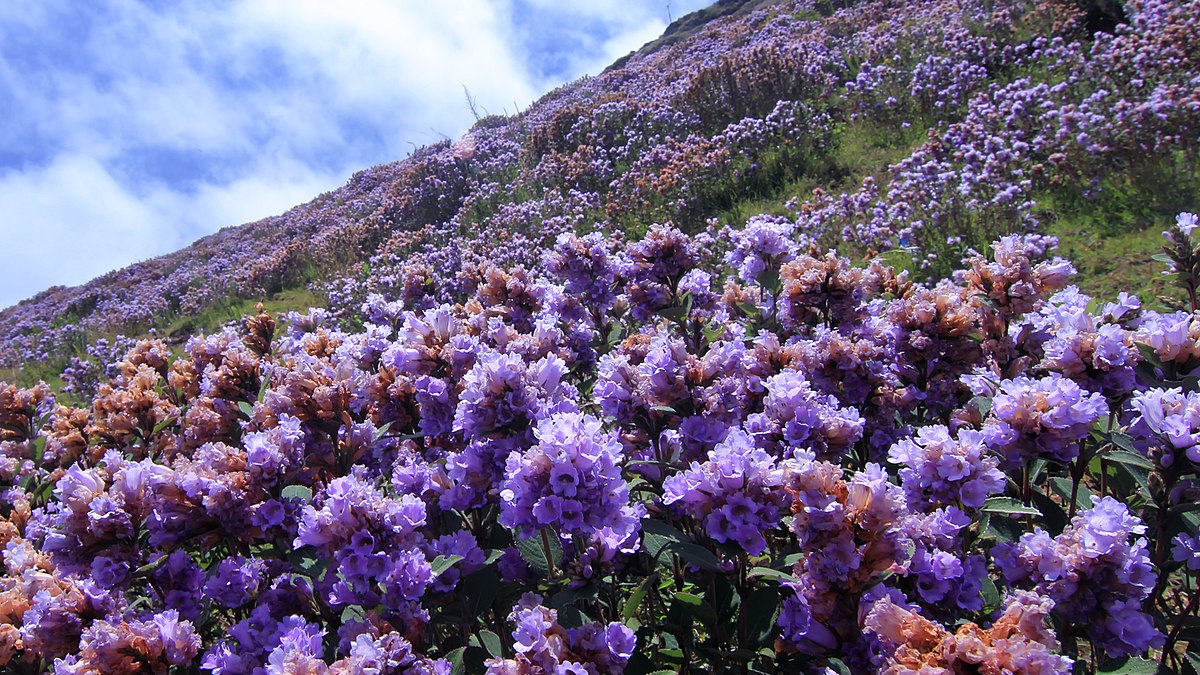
[{"x": 812, "y": 337}]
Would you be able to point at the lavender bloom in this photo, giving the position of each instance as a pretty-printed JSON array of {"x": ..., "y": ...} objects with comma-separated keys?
[
  {"x": 110, "y": 646},
  {"x": 796, "y": 417},
  {"x": 1040, "y": 418},
  {"x": 388, "y": 654},
  {"x": 461, "y": 543},
  {"x": 1186, "y": 549},
  {"x": 1167, "y": 424},
  {"x": 656, "y": 264},
  {"x": 299, "y": 649},
  {"x": 587, "y": 268},
  {"x": 372, "y": 542},
  {"x": 1186, "y": 222},
  {"x": 738, "y": 493},
  {"x": 502, "y": 395},
  {"x": 235, "y": 581},
  {"x": 942, "y": 572},
  {"x": 542, "y": 645},
  {"x": 851, "y": 531},
  {"x": 937, "y": 470},
  {"x": 1175, "y": 340},
  {"x": 764, "y": 244},
  {"x": 571, "y": 478},
  {"x": 1018, "y": 642},
  {"x": 180, "y": 582},
  {"x": 1095, "y": 575}
]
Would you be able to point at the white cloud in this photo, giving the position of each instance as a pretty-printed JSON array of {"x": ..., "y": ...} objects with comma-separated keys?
[
  {"x": 133, "y": 128},
  {"x": 72, "y": 220}
]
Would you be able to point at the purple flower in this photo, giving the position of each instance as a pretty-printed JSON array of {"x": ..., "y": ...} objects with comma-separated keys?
[
  {"x": 937, "y": 470},
  {"x": 1045, "y": 418},
  {"x": 570, "y": 478},
  {"x": 764, "y": 244},
  {"x": 738, "y": 493},
  {"x": 1096, "y": 576}
]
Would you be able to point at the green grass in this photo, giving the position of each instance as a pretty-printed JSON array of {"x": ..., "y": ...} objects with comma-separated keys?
[
  {"x": 1112, "y": 237},
  {"x": 211, "y": 319},
  {"x": 1109, "y": 264},
  {"x": 208, "y": 321}
]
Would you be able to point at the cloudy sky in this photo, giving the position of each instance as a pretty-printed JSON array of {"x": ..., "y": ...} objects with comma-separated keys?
[{"x": 132, "y": 128}]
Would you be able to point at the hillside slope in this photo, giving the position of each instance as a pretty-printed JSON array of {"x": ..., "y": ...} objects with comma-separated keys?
[
  {"x": 754, "y": 354},
  {"x": 743, "y": 102}
]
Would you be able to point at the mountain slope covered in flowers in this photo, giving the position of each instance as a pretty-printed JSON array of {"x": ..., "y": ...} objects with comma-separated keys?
[{"x": 754, "y": 353}]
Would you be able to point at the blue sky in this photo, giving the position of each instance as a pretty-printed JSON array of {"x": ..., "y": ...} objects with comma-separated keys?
[{"x": 130, "y": 128}]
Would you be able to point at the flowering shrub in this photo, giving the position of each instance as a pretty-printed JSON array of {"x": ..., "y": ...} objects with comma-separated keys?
[{"x": 525, "y": 440}]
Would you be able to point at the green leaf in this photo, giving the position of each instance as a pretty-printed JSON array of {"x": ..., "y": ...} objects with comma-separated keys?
[
  {"x": 457, "y": 667},
  {"x": 379, "y": 433},
  {"x": 984, "y": 404},
  {"x": 533, "y": 550},
  {"x": 793, "y": 558},
  {"x": 146, "y": 569},
  {"x": 637, "y": 596},
  {"x": 1129, "y": 459},
  {"x": 247, "y": 409},
  {"x": 769, "y": 279},
  {"x": 1054, "y": 518},
  {"x": 153, "y": 432},
  {"x": 1062, "y": 487},
  {"x": 479, "y": 590},
  {"x": 1132, "y": 665},
  {"x": 443, "y": 562},
  {"x": 1138, "y": 475},
  {"x": 1009, "y": 506},
  {"x": 771, "y": 573},
  {"x": 659, "y": 538},
  {"x": 839, "y": 667},
  {"x": 991, "y": 594},
  {"x": 39, "y": 447},
  {"x": 307, "y": 562},
  {"x": 698, "y": 556},
  {"x": 747, "y": 308},
  {"x": 489, "y": 641},
  {"x": 698, "y": 607},
  {"x": 301, "y": 492},
  {"x": 353, "y": 613},
  {"x": 758, "y": 615},
  {"x": 1122, "y": 441}
]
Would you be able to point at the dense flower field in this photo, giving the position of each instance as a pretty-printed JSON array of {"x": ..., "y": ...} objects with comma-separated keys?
[
  {"x": 562, "y": 422},
  {"x": 611, "y": 467}
]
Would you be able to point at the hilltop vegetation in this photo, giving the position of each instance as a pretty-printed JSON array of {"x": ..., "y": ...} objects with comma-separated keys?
[{"x": 753, "y": 353}]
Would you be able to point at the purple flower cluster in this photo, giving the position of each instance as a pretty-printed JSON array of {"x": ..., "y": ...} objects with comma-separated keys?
[
  {"x": 763, "y": 245},
  {"x": 372, "y": 542},
  {"x": 737, "y": 494},
  {"x": 543, "y": 646},
  {"x": 1096, "y": 576},
  {"x": 851, "y": 533},
  {"x": 796, "y": 417},
  {"x": 1017, "y": 642},
  {"x": 571, "y": 480},
  {"x": 588, "y": 269},
  {"x": 663, "y": 408},
  {"x": 939, "y": 470},
  {"x": 1044, "y": 418},
  {"x": 1168, "y": 423}
]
